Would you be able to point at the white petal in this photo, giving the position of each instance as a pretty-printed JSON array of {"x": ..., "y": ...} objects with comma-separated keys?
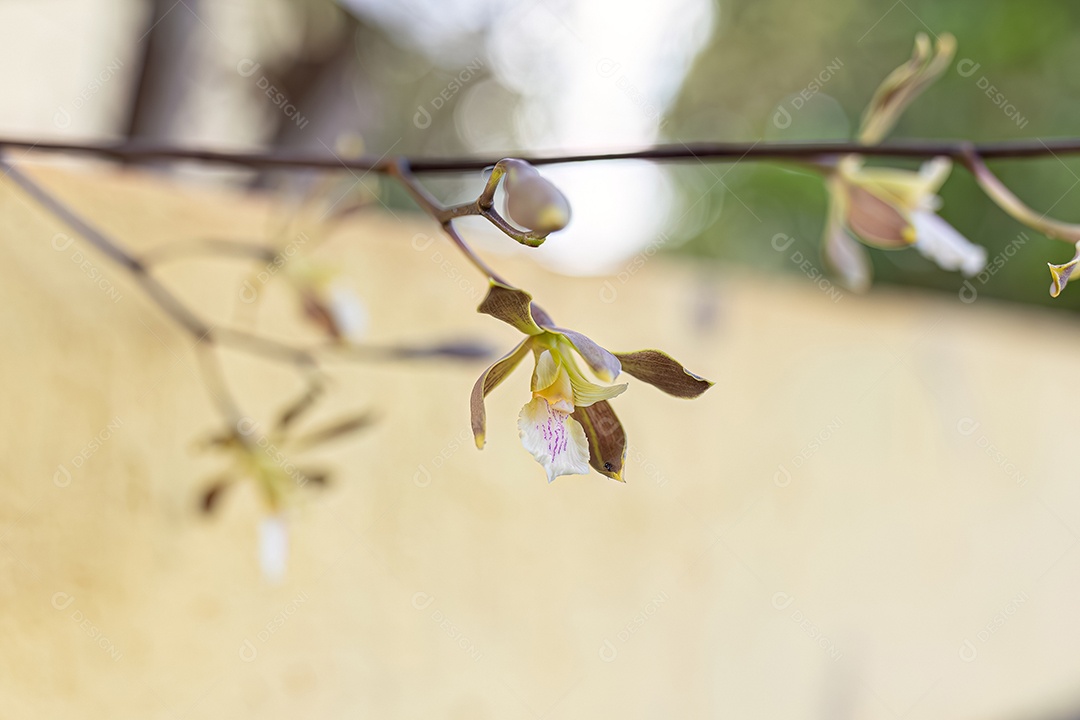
[
  {"x": 843, "y": 254},
  {"x": 349, "y": 313},
  {"x": 273, "y": 548},
  {"x": 942, "y": 243},
  {"x": 555, "y": 439},
  {"x": 934, "y": 173}
]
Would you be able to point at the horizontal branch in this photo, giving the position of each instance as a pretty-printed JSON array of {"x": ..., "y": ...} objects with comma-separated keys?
[{"x": 956, "y": 149}]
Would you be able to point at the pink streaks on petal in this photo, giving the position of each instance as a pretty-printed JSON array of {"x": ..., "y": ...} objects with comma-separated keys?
[{"x": 554, "y": 431}]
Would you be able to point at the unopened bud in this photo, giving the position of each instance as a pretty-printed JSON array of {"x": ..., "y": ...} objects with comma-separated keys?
[{"x": 533, "y": 201}]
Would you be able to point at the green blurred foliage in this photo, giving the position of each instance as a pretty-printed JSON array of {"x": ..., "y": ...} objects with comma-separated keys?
[{"x": 766, "y": 52}]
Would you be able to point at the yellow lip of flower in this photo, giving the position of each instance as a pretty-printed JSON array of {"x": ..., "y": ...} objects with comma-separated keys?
[{"x": 552, "y": 382}]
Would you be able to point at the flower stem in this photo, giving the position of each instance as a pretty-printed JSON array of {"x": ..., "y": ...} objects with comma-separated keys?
[{"x": 1004, "y": 198}]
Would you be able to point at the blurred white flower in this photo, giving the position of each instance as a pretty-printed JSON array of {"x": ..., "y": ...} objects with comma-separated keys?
[
  {"x": 892, "y": 209},
  {"x": 941, "y": 242},
  {"x": 273, "y": 548},
  {"x": 348, "y": 311}
]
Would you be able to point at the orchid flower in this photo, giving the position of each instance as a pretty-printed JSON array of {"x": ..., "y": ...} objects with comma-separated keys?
[
  {"x": 265, "y": 459},
  {"x": 260, "y": 462},
  {"x": 890, "y": 208},
  {"x": 568, "y": 424}
]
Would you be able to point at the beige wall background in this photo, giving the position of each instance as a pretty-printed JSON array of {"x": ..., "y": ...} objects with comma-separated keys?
[{"x": 873, "y": 514}]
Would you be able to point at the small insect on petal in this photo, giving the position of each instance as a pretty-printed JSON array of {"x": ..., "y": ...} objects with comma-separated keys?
[{"x": 606, "y": 437}]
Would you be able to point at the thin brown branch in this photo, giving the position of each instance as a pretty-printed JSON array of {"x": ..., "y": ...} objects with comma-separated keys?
[
  {"x": 158, "y": 292},
  {"x": 1007, "y": 200},
  {"x": 372, "y": 353},
  {"x": 400, "y": 171},
  {"x": 217, "y": 386},
  {"x": 283, "y": 159},
  {"x": 202, "y": 331}
]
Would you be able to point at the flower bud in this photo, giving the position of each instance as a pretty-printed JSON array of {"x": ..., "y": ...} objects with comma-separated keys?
[
  {"x": 905, "y": 84},
  {"x": 532, "y": 201}
]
